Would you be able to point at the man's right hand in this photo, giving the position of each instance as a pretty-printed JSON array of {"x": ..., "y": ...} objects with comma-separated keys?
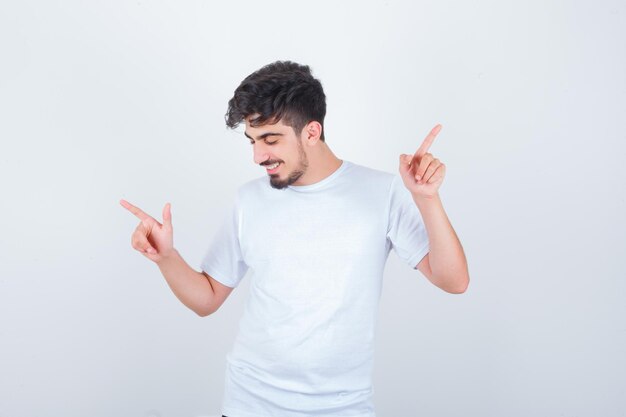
[{"x": 154, "y": 240}]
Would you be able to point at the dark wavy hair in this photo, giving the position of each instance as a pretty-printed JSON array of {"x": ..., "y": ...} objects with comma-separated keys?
[{"x": 280, "y": 91}]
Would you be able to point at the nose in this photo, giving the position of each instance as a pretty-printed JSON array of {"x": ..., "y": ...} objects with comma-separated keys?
[{"x": 260, "y": 152}]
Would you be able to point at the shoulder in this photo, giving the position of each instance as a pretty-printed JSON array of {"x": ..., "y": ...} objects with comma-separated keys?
[
  {"x": 377, "y": 182},
  {"x": 382, "y": 182},
  {"x": 253, "y": 186},
  {"x": 254, "y": 192},
  {"x": 370, "y": 176}
]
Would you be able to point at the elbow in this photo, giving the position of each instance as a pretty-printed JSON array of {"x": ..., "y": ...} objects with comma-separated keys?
[
  {"x": 460, "y": 286},
  {"x": 464, "y": 286},
  {"x": 459, "y": 290},
  {"x": 205, "y": 311}
]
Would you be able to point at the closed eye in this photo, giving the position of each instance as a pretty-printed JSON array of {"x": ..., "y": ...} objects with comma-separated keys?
[
  {"x": 268, "y": 143},
  {"x": 264, "y": 137}
]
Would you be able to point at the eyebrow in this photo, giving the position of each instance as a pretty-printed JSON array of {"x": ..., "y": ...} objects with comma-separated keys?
[{"x": 263, "y": 136}]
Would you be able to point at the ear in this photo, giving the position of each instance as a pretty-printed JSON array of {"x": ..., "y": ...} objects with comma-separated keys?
[{"x": 312, "y": 132}]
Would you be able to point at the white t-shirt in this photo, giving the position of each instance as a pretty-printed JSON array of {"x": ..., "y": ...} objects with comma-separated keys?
[{"x": 316, "y": 253}]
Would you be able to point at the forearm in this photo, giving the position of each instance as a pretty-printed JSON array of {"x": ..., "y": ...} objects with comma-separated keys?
[
  {"x": 446, "y": 257},
  {"x": 191, "y": 287}
]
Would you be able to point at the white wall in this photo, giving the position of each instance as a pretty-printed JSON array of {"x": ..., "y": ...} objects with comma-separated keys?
[{"x": 107, "y": 100}]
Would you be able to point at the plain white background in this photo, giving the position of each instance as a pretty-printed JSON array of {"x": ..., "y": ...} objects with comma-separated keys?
[{"x": 107, "y": 100}]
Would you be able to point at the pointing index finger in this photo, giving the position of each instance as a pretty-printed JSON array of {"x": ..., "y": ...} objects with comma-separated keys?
[
  {"x": 135, "y": 210},
  {"x": 423, "y": 149}
]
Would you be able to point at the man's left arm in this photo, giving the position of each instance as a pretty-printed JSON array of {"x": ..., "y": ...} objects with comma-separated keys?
[{"x": 445, "y": 265}]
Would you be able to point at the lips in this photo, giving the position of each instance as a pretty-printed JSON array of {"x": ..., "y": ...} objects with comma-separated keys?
[{"x": 272, "y": 168}]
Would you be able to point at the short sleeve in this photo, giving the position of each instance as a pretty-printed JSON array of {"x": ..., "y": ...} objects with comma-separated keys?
[
  {"x": 406, "y": 230},
  {"x": 223, "y": 260}
]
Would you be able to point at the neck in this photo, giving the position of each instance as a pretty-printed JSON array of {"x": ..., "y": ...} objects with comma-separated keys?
[{"x": 322, "y": 163}]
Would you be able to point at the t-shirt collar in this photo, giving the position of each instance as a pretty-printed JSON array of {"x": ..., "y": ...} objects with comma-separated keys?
[{"x": 322, "y": 183}]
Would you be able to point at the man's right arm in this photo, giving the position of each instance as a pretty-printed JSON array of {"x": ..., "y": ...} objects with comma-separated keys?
[{"x": 197, "y": 290}]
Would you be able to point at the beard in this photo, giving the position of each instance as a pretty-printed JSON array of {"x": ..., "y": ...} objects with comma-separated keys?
[{"x": 303, "y": 164}]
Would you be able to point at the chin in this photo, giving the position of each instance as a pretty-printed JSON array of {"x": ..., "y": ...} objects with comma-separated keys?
[{"x": 280, "y": 183}]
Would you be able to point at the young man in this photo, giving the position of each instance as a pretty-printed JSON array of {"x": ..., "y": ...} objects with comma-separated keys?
[{"x": 315, "y": 232}]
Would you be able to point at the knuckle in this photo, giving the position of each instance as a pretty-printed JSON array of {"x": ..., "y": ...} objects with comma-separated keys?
[
  {"x": 135, "y": 237},
  {"x": 140, "y": 244}
]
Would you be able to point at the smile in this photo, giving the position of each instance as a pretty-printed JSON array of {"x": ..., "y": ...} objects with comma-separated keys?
[{"x": 272, "y": 168}]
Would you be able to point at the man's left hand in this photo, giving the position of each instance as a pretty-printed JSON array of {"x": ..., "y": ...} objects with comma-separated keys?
[{"x": 422, "y": 173}]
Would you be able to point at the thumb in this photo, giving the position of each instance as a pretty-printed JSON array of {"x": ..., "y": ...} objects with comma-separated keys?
[
  {"x": 405, "y": 161},
  {"x": 167, "y": 215}
]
